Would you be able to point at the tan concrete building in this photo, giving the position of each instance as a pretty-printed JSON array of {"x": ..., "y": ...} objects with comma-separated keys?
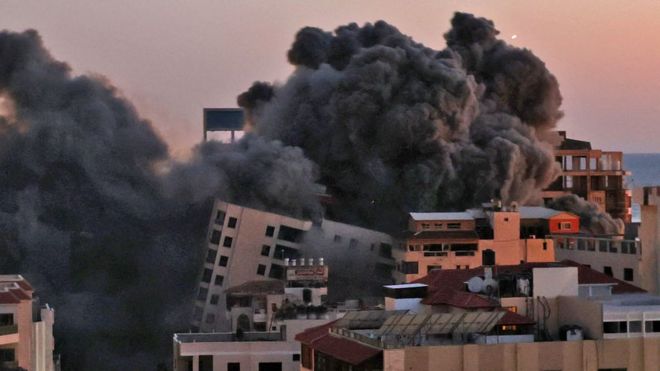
[
  {"x": 593, "y": 174},
  {"x": 649, "y": 236},
  {"x": 456, "y": 240},
  {"x": 26, "y": 338},
  {"x": 246, "y": 245}
]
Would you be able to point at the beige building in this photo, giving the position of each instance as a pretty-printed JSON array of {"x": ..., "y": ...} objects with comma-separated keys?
[
  {"x": 536, "y": 316},
  {"x": 26, "y": 338},
  {"x": 649, "y": 236},
  {"x": 246, "y": 245},
  {"x": 456, "y": 240}
]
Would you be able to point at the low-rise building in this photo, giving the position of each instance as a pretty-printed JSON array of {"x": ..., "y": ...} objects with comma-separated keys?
[
  {"x": 26, "y": 334},
  {"x": 455, "y": 240}
]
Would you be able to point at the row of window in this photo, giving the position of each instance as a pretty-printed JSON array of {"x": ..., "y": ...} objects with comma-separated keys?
[
  {"x": 276, "y": 271},
  {"x": 212, "y": 254},
  {"x": 622, "y": 327},
  {"x": 441, "y": 226},
  {"x": 206, "y": 363}
]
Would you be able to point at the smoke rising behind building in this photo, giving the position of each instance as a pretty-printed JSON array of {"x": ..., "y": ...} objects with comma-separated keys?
[{"x": 110, "y": 228}]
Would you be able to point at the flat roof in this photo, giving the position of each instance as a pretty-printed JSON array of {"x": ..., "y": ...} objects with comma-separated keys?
[
  {"x": 463, "y": 215},
  {"x": 406, "y": 286}
]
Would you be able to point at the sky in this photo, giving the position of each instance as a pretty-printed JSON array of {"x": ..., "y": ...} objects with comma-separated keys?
[{"x": 173, "y": 58}]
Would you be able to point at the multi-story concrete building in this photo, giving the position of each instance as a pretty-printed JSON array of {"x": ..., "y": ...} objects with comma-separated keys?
[
  {"x": 593, "y": 174},
  {"x": 649, "y": 237},
  {"x": 246, "y": 244},
  {"x": 455, "y": 240},
  {"x": 26, "y": 336},
  {"x": 536, "y": 316}
]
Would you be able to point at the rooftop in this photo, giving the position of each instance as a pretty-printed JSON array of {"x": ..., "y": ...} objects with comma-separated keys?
[
  {"x": 259, "y": 287},
  {"x": 464, "y": 215}
]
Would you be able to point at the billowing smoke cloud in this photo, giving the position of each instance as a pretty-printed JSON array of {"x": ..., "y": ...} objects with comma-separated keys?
[
  {"x": 106, "y": 226},
  {"x": 395, "y": 126},
  {"x": 110, "y": 228},
  {"x": 592, "y": 219}
]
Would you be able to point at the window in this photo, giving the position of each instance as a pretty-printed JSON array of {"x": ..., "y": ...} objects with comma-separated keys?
[
  {"x": 205, "y": 363},
  {"x": 270, "y": 366},
  {"x": 438, "y": 225},
  {"x": 453, "y": 225},
  {"x": 265, "y": 250},
  {"x": 6, "y": 319},
  {"x": 289, "y": 234},
  {"x": 506, "y": 219},
  {"x": 215, "y": 237},
  {"x": 385, "y": 250},
  {"x": 219, "y": 280},
  {"x": 232, "y": 222},
  {"x": 270, "y": 231},
  {"x": 210, "y": 318},
  {"x": 564, "y": 226},
  {"x": 201, "y": 294},
  {"x": 410, "y": 267},
  {"x": 206, "y": 276},
  {"x": 233, "y": 366},
  {"x": 545, "y": 245},
  {"x": 296, "y": 358},
  {"x": 227, "y": 242},
  {"x": 210, "y": 256},
  {"x": 276, "y": 271},
  {"x": 608, "y": 271},
  {"x": 223, "y": 261},
  {"x": 628, "y": 274},
  {"x": 197, "y": 314},
  {"x": 426, "y": 226},
  {"x": 220, "y": 217},
  {"x": 261, "y": 269},
  {"x": 215, "y": 299},
  {"x": 337, "y": 238},
  {"x": 635, "y": 326},
  {"x": 7, "y": 355},
  {"x": 616, "y": 327},
  {"x": 652, "y": 326},
  {"x": 353, "y": 243}
]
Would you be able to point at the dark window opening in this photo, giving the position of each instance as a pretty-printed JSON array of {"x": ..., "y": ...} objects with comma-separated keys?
[
  {"x": 210, "y": 256},
  {"x": 215, "y": 237},
  {"x": 276, "y": 271},
  {"x": 261, "y": 269},
  {"x": 385, "y": 250},
  {"x": 410, "y": 267},
  {"x": 223, "y": 261},
  {"x": 265, "y": 250},
  {"x": 6, "y": 319},
  {"x": 453, "y": 225},
  {"x": 270, "y": 231},
  {"x": 201, "y": 294},
  {"x": 270, "y": 366},
  {"x": 337, "y": 238},
  {"x": 220, "y": 217},
  {"x": 282, "y": 252},
  {"x": 233, "y": 366},
  {"x": 7, "y": 355},
  {"x": 219, "y": 280},
  {"x": 296, "y": 358},
  {"x": 206, "y": 276},
  {"x": 232, "y": 222},
  {"x": 353, "y": 243},
  {"x": 215, "y": 299},
  {"x": 628, "y": 274},
  {"x": 290, "y": 234},
  {"x": 608, "y": 271},
  {"x": 616, "y": 327},
  {"x": 227, "y": 242}
]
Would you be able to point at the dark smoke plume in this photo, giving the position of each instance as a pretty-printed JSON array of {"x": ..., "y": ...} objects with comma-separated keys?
[
  {"x": 97, "y": 216},
  {"x": 395, "y": 126},
  {"x": 110, "y": 229}
]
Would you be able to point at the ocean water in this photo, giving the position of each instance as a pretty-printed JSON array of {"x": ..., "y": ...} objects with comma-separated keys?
[{"x": 645, "y": 169}]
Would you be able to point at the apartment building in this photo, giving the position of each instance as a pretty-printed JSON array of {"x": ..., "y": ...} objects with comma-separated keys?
[
  {"x": 26, "y": 335},
  {"x": 246, "y": 244},
  {"x": 264, "y": 316},
  {"x": 593, "y": 174},
  {"x": 456, "y": 240},
  {"x": 535, "y": 316},
  {"x": 649, "y": 238}
]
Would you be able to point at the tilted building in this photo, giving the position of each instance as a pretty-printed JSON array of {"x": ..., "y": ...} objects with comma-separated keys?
[{"x": 246, "y": 244}]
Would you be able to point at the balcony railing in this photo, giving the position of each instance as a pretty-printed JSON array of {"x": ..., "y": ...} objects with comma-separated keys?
[{"x": 597, "y": 244}]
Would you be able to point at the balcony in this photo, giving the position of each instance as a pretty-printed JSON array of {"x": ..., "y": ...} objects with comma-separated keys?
[{"x": 8, "y": 334}]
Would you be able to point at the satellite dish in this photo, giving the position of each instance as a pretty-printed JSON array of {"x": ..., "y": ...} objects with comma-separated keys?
[{"x": 475, "y": 284}]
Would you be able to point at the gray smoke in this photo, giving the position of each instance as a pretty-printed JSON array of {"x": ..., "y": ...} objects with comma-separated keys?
[
  {"x": 95, "y": 213},
  {"x": 395, "y": 126},
  {"x": 592, "y": 219}
]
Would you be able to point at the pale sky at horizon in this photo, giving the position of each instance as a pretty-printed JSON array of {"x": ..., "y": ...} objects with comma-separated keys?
[{"x": 172, "y": 58}]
